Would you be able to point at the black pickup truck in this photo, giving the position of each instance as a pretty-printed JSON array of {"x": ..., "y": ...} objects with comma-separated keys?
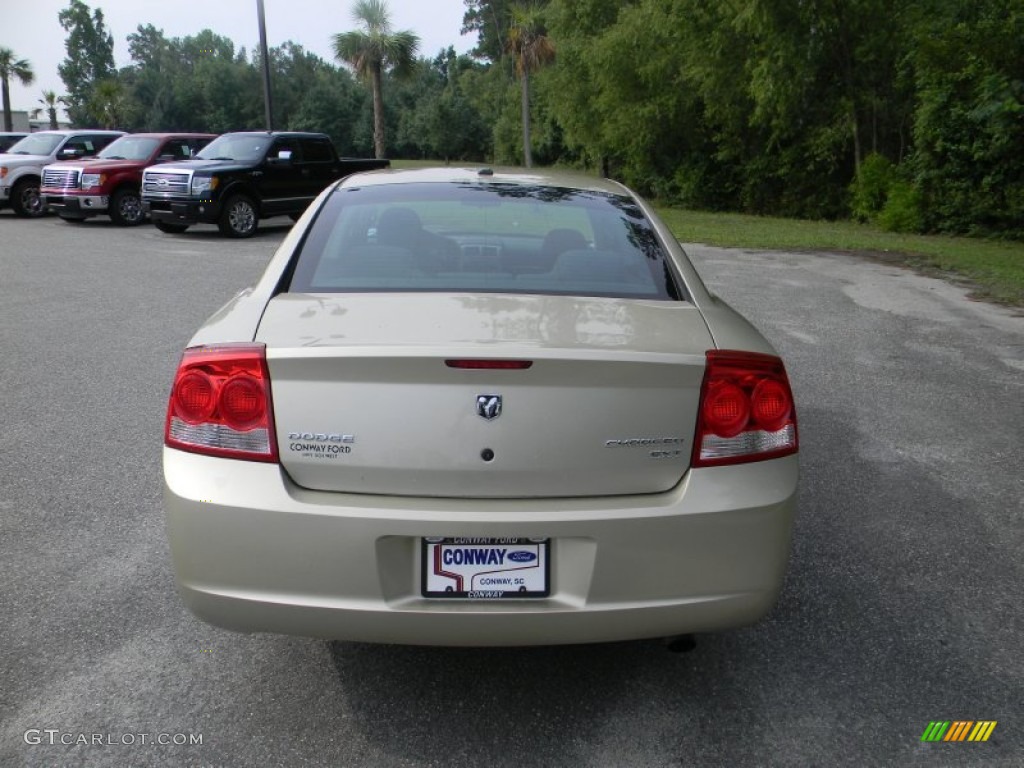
[{"x": 240, "y": 178}]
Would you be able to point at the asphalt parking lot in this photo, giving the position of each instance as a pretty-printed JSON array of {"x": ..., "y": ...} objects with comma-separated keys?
[{"x": 902, "y": 605}]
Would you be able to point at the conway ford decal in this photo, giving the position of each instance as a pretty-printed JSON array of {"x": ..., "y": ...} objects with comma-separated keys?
[{"x": 320, "y": 445}]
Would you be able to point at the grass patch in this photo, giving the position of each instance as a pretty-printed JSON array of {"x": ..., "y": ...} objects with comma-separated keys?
[{"x": 995, "y": 268}]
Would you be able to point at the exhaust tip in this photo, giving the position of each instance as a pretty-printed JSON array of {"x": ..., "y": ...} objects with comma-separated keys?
[{"x": 680, "y": 643}]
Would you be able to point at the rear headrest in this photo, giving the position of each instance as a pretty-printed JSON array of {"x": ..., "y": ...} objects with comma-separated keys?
[
  {"x": 399, "y": 226},
  {"x": 560, "y": 240}
]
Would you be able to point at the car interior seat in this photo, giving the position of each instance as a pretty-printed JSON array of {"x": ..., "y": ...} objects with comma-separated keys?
[
  {"x": 556, "y": 242},
  {"x": 400, "y": 227}
]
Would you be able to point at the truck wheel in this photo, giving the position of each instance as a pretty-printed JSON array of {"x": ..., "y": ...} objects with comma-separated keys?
[
  {"x": 25, "y": 199},
  {"x": 239, "y": 218},
  {"x": 126, "y": 208},
  {"x": 174, "y": 229}
]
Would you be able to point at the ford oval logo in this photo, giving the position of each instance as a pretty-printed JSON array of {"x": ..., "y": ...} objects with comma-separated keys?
[{"x": 522, "y": 557}]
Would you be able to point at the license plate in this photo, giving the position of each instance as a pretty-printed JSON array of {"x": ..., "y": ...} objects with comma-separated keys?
[{"x": 485, "y": 569}]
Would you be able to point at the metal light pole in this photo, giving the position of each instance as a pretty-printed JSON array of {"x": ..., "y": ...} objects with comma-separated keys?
[{"x": 266, "y": 67}]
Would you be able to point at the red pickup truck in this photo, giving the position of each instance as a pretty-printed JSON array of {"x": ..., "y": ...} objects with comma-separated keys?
[{"x": 110, "y": 182}]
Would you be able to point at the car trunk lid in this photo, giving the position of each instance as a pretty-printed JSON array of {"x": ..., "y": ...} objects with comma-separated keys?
[{"x": 366, "y": 398}]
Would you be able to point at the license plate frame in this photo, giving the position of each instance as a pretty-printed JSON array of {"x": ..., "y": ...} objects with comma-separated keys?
[{"x": 492, "y": 574}]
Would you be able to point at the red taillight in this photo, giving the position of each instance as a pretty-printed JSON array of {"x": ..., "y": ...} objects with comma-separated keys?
[
  {"x": 194, "y": 397},
  {"x": 220, "y": 403},
  {"x": 771, "y": 404},
  {"x": 746, "y": 410},
  {"x": 242, "y": 402},
  {"x": 726, "y": 408}
]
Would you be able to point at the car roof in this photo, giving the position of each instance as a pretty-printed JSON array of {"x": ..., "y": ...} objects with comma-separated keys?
[
  {"x": 485, "y": 175},
  {"x": 74, "y": 131},
  {"x": 286, "y": 134},
  {"x": 173, "y": 135}
]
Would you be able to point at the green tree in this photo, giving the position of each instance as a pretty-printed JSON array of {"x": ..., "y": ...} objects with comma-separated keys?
[
  {"x": 407, "y": 103},
  {"x": 333, "y": 105},
  {"x": 489, "y": 19},
  {"x": 224, "y": 87},
  {"x": 531, "y": 48},
  {"x": 489, "y": 90},
  {"x": 373, "y": 50},
  {"x": 89, "y": 60},
  {"x": 754, "y": 104},
  {"x": 150, "y": 80},
  {"x": 196, "y": 83},
  {"x": 294, "y": 71},
  {"x": 435, "y": 117},
  {"x": 108, "y": 103},
  {"x": 630, "y": 108},
  {"x": 827, "y": 88},
  {"x": 968, "y": 157},
  {"x": 19, "y": 69}
]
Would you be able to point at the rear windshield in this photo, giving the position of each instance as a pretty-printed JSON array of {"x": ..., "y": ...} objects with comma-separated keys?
[{"x": 483, "y": 238}]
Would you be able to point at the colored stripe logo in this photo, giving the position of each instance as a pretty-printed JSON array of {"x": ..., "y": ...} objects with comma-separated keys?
[{"x": 958, "y": 730}]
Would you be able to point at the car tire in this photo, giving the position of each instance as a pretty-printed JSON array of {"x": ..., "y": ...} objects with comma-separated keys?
[
  {"x": 25, "y": 199},
  {"x": 126, "y": 208},
  {"x": 173, "y": 229},
  {"x": 239, "y": 217}
]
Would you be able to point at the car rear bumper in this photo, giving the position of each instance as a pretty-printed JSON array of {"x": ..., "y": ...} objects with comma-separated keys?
[{"x": 253, "y": 552}]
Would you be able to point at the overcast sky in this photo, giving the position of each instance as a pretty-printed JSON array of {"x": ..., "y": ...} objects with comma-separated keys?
[{"x": 30, "y": 28}]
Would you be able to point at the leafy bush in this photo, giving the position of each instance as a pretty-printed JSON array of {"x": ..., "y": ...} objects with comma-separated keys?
[
  {"x": 869, "y": 190},
  {"x": 902, "y": 210}
]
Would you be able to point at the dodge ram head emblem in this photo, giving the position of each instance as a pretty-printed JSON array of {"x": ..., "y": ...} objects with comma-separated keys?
[{"x": 488, "y": 406}]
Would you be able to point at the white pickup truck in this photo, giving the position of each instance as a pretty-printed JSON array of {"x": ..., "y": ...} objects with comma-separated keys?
[{"x": 22, "y": 166}]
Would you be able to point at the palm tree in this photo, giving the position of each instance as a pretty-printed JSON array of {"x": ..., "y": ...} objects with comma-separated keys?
[
  {"x": 373, "y": 50},
  {"x": 529, "y": 44},
  {"x": 107, "y": 102},
  {"x": 12, "y": 67},
  {"x": 50, "y": 100}
]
